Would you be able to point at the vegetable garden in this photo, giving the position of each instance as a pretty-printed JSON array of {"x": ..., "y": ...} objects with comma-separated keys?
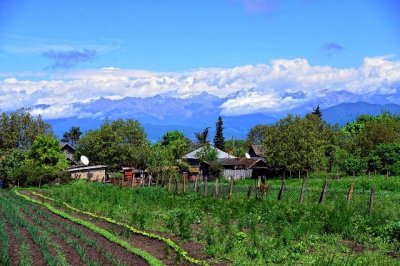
[
  {"x": 35, "y": 232},
  {"x": 263, "y": 230}
]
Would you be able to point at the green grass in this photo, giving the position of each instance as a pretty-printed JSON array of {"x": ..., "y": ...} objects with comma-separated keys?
[{"x": 247, "y": 231}]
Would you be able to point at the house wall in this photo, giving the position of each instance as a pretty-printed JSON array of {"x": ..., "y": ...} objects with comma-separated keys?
[{"x": 98, "y": 175}]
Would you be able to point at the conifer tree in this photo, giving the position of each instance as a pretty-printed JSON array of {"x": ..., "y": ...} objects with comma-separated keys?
[{"x": 219, "y": 140}]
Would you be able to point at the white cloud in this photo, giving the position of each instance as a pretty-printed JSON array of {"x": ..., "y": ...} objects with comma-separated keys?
[{"x": 251, "y": 88}]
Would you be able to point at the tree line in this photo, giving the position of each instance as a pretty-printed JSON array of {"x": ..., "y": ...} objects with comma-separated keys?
[{"x": 30, "y": 152}]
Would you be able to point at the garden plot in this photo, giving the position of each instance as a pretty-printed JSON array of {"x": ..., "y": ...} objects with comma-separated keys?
[{"x": 31, "y": 235}]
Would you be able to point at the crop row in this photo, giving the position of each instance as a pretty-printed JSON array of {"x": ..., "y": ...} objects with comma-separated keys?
[
  {"x": 167, "y": 241},
  {"x": 106, "y": 234},
  {"x": 40, "y": 236}
]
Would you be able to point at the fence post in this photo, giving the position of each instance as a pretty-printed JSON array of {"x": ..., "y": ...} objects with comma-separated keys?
[
  {"x": 169, "y": 183},
  {"x": 184, "y": 183},
  {"x": 231, "y": 187},
  {"x": 323, "y": 192},
  {"x": 350, "y": 193},
  {"x": 281, "y": 190},
  {"x": 249, "y": 192},
  {"x": 205, "y": 186},
  {"x": 195, "y": 183},
  {"x": 299, "y": 174},
  {"x": 303, "y": 188},
  {"x": 216, "y": 187},
  {"x": 371, "y": 200}
]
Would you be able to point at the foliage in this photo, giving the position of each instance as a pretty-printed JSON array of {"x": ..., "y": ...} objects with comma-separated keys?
[
  {"x": 219, "y": 140},
  {"x": 207, "y": 153},
  {"x": 19, "y": 129},
  {"x": 259, "y": 133},
  {"x": 354, "y": 164},
  {"x": 236, "y": 147},
  {"x": 317, "y": 111},
  {"x": 295, "y": 143},
  {"x": 41, "y": 164},
  {"x": 115, "y": 144},
  {"x": 386, "y": 157},
  {"x": 202, "y": 137},
  {"x": 378, "y": 130},
  {"x": 176, "y": 142},
  {"x": 72, "y": 136}
]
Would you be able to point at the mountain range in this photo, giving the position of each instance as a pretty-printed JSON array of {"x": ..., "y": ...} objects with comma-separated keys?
[{"x": 161, "y": 113}]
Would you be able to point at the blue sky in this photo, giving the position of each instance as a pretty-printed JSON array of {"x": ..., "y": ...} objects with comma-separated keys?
[
  {"x": 182, "y": 35},
  {"x": 253, "y": 52}
]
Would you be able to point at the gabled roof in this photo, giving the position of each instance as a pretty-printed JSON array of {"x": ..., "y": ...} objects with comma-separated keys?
[
  {"x": 221, "y": 154},
  {"x": 66, "y": 145},
  {"x": 258, "y": 150}
]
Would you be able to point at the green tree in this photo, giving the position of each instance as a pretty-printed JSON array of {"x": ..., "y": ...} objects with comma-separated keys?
[
  {"x": 236, "y": 147},
  {"x": 219, "y": 140},
  {"x": 202, "y": 137},
  {"x": 115, "y": 144},
  {"x": 42, "y": 163},
  {"x": 258, "y": 134},
  {"x": 11, "y": 167},
  {"x": 19, "y": 129},
  {"x": 296, "y": 143},
  {"x": 317, "y": 111},
  {"x": 378, "y": 130},
  {"x": 385, "y": 157},
  {"x": 72, "y": 136},
  {"x": 210, "y": 155},
  {"x": 176, "y": 142}
]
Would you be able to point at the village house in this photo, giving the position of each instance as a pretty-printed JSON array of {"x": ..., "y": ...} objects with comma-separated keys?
[
  {"x": 69, "y": 152},
  {"x": 95, "y": 173},
  {"x": 256, "y": 151},
  {"x": 239, "y": 168},
  {"x": 194, "y": 162}
]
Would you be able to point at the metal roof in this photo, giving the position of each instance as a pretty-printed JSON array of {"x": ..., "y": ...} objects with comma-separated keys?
[
  {"x": 94, "y": 167},
  {"x": 221, "y": 154}
]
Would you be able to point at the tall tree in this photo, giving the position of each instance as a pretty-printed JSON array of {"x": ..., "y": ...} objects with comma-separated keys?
[
  {"x": 202, "y": 137},
  {"x": 176, "y": 142},
  {"x": 296, "y": 143},
  {"x": 219, "y": 140},
  {"x": 117, "y": 143},
  {"x": 257, "y": 134},
  {"x": 19, "y": 129},
  {"x": 317, "y": 112},
  {"x": 72, "y": 136}
]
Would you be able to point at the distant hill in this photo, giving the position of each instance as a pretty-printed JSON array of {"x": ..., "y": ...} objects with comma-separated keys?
[
  {"x": 160, "y": 114},
  {"x": 347, "y": 112}
]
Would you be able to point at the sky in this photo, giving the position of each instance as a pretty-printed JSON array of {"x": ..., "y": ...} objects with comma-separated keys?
[{"x": 251, "y": 51}]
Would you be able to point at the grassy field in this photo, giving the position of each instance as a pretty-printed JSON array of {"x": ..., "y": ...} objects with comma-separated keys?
[{"x": 247, "y": 231}]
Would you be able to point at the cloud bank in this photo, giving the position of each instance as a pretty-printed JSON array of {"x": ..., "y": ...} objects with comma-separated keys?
[{"x": 275, "y": 87}]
